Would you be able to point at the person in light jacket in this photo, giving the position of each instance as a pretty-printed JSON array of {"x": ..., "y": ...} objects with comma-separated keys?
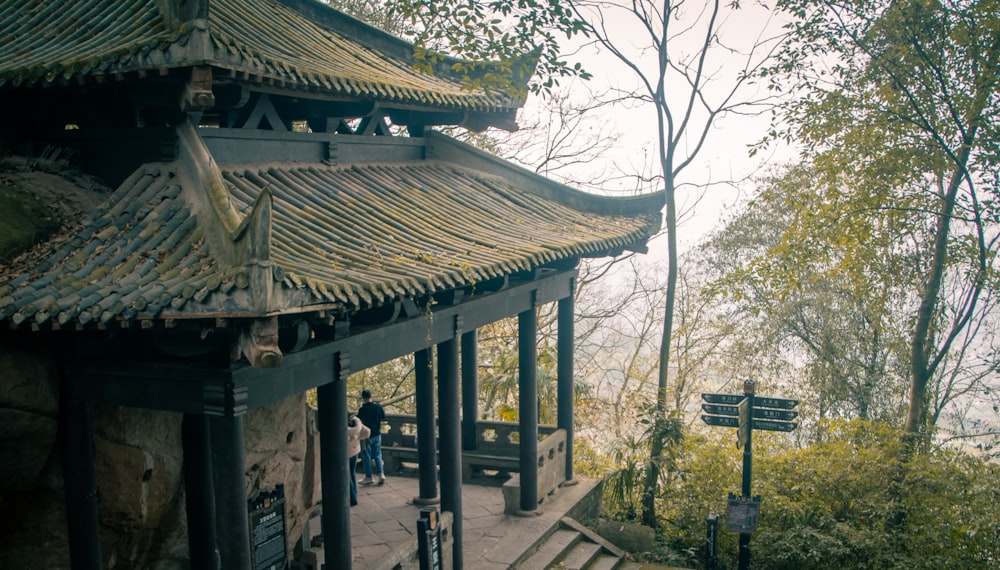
[{"x": 356, "y": 431}]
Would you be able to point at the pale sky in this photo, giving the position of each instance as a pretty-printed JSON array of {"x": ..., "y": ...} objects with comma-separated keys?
[{"x": 724, "y": 156}]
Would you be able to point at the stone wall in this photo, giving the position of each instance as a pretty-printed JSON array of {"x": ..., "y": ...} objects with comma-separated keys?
[{"x": 138, "y": 467}]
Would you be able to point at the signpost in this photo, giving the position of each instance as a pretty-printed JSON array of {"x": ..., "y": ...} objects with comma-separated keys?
[
  {"x": 746, "y": 413},
  {"x": 429, "y": 539}
]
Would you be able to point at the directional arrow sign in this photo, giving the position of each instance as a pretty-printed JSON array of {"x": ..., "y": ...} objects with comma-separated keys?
[
  {"x": 771, "y": 425},
  {"x": 760, "y": 402},
  {"x": 734, "y": 422},
  {"x": 731, "y": 399},
  {"x": 721, "y": 409},
  {"x": 725, "y": 421},
  {"x": 768, "y": 414}
]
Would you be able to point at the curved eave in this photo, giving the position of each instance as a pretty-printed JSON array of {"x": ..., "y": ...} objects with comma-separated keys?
[
  {"x": 340, "y": 238},
  {"x": 249, "y": 39}
]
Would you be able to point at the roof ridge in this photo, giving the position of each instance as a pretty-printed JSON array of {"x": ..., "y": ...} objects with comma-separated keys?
[{"x": 237, "y": 239}]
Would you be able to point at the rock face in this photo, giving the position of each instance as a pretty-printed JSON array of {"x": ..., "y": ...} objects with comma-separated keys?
[
  {"x": 138, "y": 463},
  {"x": 37, "y": 195},
  {"x": 33, "y": 528},
  {"x": 627, "y": 536}
]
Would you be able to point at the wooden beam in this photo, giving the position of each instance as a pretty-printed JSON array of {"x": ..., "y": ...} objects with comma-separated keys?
[
  {"x": 336, "y": 518},
  {"x": 80, "y": 487},
  {"x": 450, "y": 436},
  {"x": 199, "y": 492},
  {"x": 564, "y": 376},
  {"x": 197, "y": 388},
  {"x": 423, "y": 364},
  {"x": 527, "y": 355}
]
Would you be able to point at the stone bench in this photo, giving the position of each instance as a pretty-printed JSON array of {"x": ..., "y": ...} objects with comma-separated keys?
[
  {"x": 496, "y": 446},
  {"x": 551, "y": 472}
]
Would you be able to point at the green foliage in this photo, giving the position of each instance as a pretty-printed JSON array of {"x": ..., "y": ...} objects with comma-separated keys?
[
  {"x": 895, "y": 105},
  {"x": 392, "y": 383},
  {"x": 373, "y": 12},
  {"x": 827, "y": 282},
  {"x": 826, "y": 505},
  {"x": 499, "y": 44},
  {"x": 708, "y": 469},
  {"x": 622, "y": 498},
  {"x": 499, "y": 374}
]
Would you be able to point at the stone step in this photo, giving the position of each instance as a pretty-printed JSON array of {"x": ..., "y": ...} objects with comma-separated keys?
[
  {"x": 580, "y": 557},
  {"x": 606, "y": 562},
  {"x": 551, "y": 550}
]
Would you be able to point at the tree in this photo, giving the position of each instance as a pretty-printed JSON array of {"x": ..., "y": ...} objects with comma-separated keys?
[
  {"x": 898, "y": 110},
  {"x": 782, "y": 271},
  {"x": 673, "y": 51},
  {"x": 687, "y": 76}
]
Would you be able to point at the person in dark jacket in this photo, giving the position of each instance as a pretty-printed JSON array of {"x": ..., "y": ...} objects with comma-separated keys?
[{"x": 372, "y": 415}]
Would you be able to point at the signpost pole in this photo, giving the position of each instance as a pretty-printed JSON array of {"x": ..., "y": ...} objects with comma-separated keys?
[
  {"x": 748, "y": 391},
  {"x": 740, "y": 412},
  {"x": 711, "y": 541}
]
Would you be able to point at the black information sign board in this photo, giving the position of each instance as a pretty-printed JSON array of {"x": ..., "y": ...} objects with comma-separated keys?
[
  {"x": 429, "y": 539},
  {"x": 267, "y": 530},
  {"x": 743, "y": 514},
  {"x": 770, "y": 414}
]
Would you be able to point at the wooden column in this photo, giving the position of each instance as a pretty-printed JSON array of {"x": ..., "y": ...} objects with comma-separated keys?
[
  {"x": 232, "y": 521},
  {"x": 76, "y": 445},
  {"x": 450, "y": 434},
  {"x": 336, "y": 518},
  {"x": 426, "y": 437},
  {"x": 470, "y": 389},
  {"x": 564, "y": 373},
  {"x": 527, "y": 350},
  {"x": 199, "y": 493}
]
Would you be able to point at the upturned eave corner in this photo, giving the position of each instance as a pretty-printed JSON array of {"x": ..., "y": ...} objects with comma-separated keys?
[{"x": 446, "y": 149}]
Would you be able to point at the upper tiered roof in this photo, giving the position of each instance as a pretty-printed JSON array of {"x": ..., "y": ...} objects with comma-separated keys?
[{"x": 291, "y": 45}]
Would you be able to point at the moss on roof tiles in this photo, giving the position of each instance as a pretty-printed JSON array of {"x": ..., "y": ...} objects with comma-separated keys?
[
  {"x": 58, "y": 41},
  {"x": 354, "y": 235}
]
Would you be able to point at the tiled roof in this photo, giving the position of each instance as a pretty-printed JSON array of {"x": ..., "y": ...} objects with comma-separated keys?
[
  {"x": 303, "y": 236},
  {"x": 51, "y": 42}
]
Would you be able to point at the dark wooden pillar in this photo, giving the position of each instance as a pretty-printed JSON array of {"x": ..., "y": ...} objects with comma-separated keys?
[
  {"x": 423, "y": 364},
  {"x": 470, "y": 389},
  {"x": 76, "y": 443},
  {"x": 229, "y": 473},
  {"x": 564, "y": 372},
  {"x": 450, "y": 431},
  {"x": 336, "y": 518},
  {"x": 527, "y": 351},
  {"x": 199, "y": 492}
]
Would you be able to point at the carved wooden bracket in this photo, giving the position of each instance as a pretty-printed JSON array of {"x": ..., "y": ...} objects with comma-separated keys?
[
  {"x": 198, "y": 92},
  {"x": 258, "y": 343}
]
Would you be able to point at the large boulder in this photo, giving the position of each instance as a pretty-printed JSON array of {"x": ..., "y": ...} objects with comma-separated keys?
[
  {"x": 281, "y": 449},
  {"x": 37, "y": 197},
  {"x": 33, "y": 528},
  {"x": 29, "y": 402},
  {"x": 138, "y": 463}
]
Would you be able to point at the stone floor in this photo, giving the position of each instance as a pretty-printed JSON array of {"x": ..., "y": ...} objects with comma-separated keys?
[{"x": 384, "y": 522}]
